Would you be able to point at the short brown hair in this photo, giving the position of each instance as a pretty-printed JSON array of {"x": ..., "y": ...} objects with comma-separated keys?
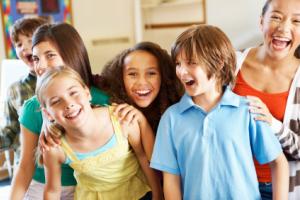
[
  {"x": 25, "y": 26},
  {"x": 210, "y": 46}
]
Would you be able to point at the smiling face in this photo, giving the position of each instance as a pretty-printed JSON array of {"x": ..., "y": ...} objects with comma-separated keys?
[
  {"x": 193, "y": 76},
  {"x": 23, "y": 50},
  {"x": 67, "y": 102},
  {"x": 141, "y": 77},
  {"x": 45, "y": 55},
  {"x": 281, "y": 28}
]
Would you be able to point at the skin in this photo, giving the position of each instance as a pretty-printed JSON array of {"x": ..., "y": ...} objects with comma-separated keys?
[
  {"x": 24, "y": 52},
  {"x": 192, "y": 75},
  {"x": 67, "y": 102},
  {"x": 280, "y": 26},
  {"x": 29, "y": 140},
  {"x": 45, "y": 55},
  {"x": 141, "y": 77},
  {"x": 206, "y": 93}
]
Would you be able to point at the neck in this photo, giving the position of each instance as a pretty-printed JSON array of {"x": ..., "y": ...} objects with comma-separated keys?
[
  {"x": 276, "y": 63},
  {"x": 85, "y": 132},
  {"x": 208, "y": 100}
]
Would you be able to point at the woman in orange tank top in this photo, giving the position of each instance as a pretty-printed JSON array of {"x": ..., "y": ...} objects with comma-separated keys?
[{"x": 266, "y": 76}]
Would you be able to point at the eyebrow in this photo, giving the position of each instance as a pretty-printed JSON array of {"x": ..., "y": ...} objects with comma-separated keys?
[
  {"x": 68, "y": 89},
  {"x": 279, "y": 12}
]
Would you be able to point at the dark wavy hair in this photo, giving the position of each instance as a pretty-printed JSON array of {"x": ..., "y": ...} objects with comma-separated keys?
[
  {"x": 69, "y": 45},
  {"x": 170, "y": 88}
]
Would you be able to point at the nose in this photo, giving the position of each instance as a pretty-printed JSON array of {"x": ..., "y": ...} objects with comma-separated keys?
[
  {"x": 284, "y": 26},
  {"x": 181, "y": 70},
  {"x": 68, "y": 104},
  {"x": 142, "y": 79},
  {"x": 40, "y": 67}
]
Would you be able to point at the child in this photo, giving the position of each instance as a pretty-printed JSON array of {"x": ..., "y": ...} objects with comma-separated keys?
[
  {"x": 22, "y": 89},
  {"x": 143, "y": 76},
  {"x": 49, "y": 50},
  {"x": 93, "y": 143},
  {"x": 205, "y": 143}
]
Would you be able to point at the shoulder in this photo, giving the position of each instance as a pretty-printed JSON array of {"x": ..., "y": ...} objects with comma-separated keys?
[
  {"x": 98, "y": 96},
  {"x": 54, "y": 154},
  {"x": 31, "y": 105}
]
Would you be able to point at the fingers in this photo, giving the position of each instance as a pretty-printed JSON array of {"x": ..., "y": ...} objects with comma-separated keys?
[
  {"x": 263, "y": 118},
  {"x": 126, "y": 113},
  {"x": 258, "y": 107}
]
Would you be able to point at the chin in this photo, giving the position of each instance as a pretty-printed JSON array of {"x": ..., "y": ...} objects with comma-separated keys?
[{"x": 143, "y": 104}]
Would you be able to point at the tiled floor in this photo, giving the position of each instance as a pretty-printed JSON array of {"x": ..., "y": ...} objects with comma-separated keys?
[{"x": 4, "y": 189}]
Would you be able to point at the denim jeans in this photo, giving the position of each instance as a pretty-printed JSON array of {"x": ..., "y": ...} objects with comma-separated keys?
[{"x": 265, "y": 190}]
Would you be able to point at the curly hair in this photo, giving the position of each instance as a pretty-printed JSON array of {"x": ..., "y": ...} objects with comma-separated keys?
[{"x": 170, "y": 89}]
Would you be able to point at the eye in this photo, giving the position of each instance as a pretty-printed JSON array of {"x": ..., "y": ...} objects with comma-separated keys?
[
  {"x": 35, "y": 59},
  {"x": 72, "y": 93},
  {"x": 18, "y": 44},
  {"x": 192, "y": 62},
  {"x": 297, "y": 21},
  {"x": 132, "y": 74},
  {"x": 275, "y": 17},
  {"x": 50, "y": 55},
  {"x": 152, "y": 73},
  {"x": 54, "y": 102}
]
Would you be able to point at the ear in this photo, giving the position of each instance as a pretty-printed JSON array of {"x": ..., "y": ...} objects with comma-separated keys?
[
  {"x": 47, "y": 114},
  {"x": 88, "y": 93},
  {"x": 261, "y": 22}
]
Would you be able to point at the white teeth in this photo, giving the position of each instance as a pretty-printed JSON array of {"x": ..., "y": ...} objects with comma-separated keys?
[
  {"x": 73, "y": 114},
  {"x": 282, "y": 39},
  {"x": 142, "y": 91}
]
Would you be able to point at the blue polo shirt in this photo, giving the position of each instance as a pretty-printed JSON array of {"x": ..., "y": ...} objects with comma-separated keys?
[{"x": 213, "y": 152}]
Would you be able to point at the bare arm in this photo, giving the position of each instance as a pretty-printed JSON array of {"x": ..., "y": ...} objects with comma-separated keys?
[
  {"x": 280, "y": 178},
  {"x": 172, "y": 189},
  {"x": 25, "y": 170},
  {"x": 53, "y": 159},
  {"x": 127, "y": 114},
  {"x": 134, "y": 138}
]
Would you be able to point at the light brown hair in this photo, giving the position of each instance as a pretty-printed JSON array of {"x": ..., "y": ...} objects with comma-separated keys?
[
  {"x": 210, "y": 46},
  {"x": 25, "y": 26}
]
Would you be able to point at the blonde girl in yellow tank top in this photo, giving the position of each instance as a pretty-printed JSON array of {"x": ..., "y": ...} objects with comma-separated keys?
[{"x": 117, "y": 170}]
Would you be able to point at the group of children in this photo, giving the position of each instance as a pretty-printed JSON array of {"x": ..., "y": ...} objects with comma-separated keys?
[{"x": 177, "y": 112}]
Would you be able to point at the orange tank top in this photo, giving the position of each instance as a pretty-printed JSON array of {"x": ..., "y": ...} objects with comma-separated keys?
[{"x": 276, "y": 103}]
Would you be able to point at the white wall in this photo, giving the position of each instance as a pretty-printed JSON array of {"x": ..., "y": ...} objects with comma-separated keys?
[
  {"x": 110, "y": 24},
  {"x": 239, "y": 19}
]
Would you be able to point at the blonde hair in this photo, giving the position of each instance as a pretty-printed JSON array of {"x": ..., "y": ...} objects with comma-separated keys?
[{"x": 43, "y": 82}]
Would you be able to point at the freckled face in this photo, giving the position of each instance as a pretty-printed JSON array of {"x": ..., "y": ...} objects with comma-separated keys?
[{"x": 142, "y": 78}]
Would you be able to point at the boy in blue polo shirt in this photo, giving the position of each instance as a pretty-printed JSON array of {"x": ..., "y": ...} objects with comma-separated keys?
[{"x": 206, "y": 142}]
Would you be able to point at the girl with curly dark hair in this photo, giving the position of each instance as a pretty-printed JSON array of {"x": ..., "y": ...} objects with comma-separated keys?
[{"x": 142, "y": 76}]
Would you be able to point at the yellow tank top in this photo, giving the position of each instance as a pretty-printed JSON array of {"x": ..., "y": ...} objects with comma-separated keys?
[{"x": 112, "y": 175}]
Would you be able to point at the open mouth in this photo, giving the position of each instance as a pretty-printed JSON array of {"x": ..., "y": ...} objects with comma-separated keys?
[
  {"x": 189, "y": 82},
  {"x": 280, "y": 43},
  {"x": 29, "y": 58},
  {"x": 142, "y": 93},
  {"x": 73, "y": 115}
]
